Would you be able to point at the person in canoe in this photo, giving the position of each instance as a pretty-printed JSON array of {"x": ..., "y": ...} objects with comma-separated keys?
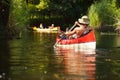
[{"x": 81, "y": 27}]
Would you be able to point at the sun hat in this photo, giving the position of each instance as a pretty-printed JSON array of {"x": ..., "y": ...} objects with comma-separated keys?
[{"x": 83, "y": 20}]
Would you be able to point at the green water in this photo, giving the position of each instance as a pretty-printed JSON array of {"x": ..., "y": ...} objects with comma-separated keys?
[{"x": 33, "y": 58}]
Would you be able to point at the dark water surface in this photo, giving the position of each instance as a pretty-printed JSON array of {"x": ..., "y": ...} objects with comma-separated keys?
[{"x": 33, "y": 58}]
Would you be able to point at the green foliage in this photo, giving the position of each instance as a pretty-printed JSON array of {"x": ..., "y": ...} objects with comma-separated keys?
[
  {"x": 66, "y": 11},
  {"x": 4, "y": 12},
  {"x": 42, "y": 5},
  {"x": 18, "y": 14},
  {"x": 118, "y": 3},
  {"x": 103, "y": 13},
  {"x": 94, "y": 17},
  {"x": 18, "y": 18}
]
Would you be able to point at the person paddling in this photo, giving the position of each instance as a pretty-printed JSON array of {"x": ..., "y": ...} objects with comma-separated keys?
[{"x": 81, "y": 26}]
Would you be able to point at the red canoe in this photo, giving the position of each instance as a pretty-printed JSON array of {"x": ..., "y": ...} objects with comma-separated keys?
[{"x": 86, "y": 42}]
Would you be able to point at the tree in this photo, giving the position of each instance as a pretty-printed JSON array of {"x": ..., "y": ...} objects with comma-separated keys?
[
  {"x": 104, "y": 15},
  {"x": 18, "y": 17},
  {"x": 4, "y": 11}
]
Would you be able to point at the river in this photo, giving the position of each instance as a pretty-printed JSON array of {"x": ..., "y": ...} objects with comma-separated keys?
[{"x": 33, "y": 58}]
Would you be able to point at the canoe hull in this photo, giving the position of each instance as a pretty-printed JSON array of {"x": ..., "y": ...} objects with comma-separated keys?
[
  {"x": 89, "y": 46},
  {"x": 87, "y": 42}
]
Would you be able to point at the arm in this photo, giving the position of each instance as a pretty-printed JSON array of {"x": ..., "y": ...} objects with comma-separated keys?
[
  {"x": 74, "y": 31},
  {"x": 77, "y": 23},
  {"x": 71, "y": 32}
]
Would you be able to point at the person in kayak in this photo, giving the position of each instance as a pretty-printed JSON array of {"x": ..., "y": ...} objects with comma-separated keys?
[
  {"x": 81, "y": 26},
  {"x": 41, "y": 26}
]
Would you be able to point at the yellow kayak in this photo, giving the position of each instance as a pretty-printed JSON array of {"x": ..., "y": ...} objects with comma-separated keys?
[{"x": 46, "y": 30}]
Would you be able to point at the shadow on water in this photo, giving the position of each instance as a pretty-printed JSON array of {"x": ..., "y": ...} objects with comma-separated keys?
[
  {"x": 107, "y": 64},
  {"x": 108, "y": 57},
  {"x": 4, "y": 59}
]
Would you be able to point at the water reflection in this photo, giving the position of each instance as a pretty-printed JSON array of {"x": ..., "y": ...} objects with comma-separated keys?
[
  {"x": 77, "y": 65},
  {"x": 30, "y": 57},
  {"x": 33, "y": 58}
]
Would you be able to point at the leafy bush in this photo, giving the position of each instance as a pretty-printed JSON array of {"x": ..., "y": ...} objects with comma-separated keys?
[{"x": 103, "y": 14}]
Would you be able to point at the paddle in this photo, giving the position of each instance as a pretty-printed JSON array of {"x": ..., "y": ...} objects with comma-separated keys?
[
  {"x": 72, "y": 27},
  {"x": 63, "y": 36}
]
